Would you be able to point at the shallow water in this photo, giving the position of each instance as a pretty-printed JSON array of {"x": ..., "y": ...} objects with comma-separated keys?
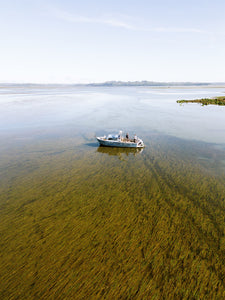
[
  {"x": 85, "y": 222},
  {"x": 98, "y": 110}
]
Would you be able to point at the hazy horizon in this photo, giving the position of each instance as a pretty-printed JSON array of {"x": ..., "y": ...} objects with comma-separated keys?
[{"x": 112, "y": 81}]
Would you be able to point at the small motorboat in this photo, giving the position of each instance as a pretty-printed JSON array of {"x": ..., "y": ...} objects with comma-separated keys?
[{"x": 118, "y": 140}]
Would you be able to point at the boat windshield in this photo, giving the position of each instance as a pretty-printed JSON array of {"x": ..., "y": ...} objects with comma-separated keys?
[{"x": 112, "y": 137}]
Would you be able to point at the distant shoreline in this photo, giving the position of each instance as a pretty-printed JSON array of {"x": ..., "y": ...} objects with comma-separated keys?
[
  {"x": 123, "y": 84},
  {"x": 157, "y": 84}
]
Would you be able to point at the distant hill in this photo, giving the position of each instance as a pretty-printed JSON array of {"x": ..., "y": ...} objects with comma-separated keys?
[
  {"x": 115, "y": 83},
  {"x": 154, "y": 83}
]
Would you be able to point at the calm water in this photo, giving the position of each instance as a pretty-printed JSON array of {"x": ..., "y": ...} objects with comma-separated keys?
[
  {"x": 98, "y": 110},
  {"x": 78, "y": 221}
]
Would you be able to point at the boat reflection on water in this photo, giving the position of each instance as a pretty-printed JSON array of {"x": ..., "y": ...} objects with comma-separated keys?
[{"x": 119, "y": 151}]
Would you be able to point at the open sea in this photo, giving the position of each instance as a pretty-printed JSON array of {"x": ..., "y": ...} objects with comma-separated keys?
[{"x": 79, "y": 221}]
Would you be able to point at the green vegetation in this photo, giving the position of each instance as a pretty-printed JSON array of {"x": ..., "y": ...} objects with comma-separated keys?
[
  {"x": 78, "y": 223},
  {"x": 206, "y": 101}
]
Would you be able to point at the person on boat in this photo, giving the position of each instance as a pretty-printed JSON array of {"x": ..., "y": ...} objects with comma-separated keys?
[
  {"x": 135, "y": 138},
  {"x": 127, "y": 136},
  {"x": 120, "y": 135}
]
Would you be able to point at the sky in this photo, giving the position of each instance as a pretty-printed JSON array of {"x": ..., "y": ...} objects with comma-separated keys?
[{"x": 71, "y": 41}]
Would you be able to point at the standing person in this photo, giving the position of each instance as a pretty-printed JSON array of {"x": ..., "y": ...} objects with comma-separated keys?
[
  {"x": 120, "y": 135},
  {"x": 127, "y": 136},
  {"x": 135, "y": 138}
]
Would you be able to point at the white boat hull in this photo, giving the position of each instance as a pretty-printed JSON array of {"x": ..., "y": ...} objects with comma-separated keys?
[{"x": 122, "y": 144}]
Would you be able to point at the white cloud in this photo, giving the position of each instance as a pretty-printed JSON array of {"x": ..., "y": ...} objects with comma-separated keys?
[
  {"x": 114, "y": 22},
  {"x": 177, "y": 30},
  {"x": 120, "y": 23}
]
